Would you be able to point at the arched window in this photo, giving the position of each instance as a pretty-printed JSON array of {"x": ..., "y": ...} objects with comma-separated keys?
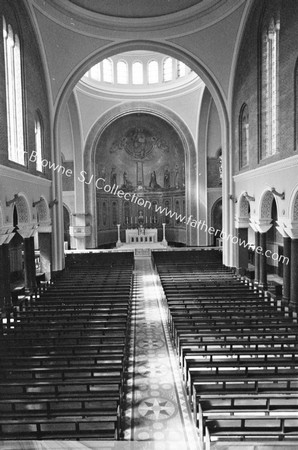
[
  {"x": 181, "y": 69},
  {"x": 122, "y": 72},
  {"x": 107, "y": 67},
  {"x": 137, "y": 73},
  {"x": 167, "y": 69},
  {"x": 95, "y": 72},
  {"x": 14, "y": 96},
  {"x": 153, "y": 72},
  {"x": 38, "y": 141},
  {"x": 244, "y": 135},
  {"x": 269, "y": 87}
]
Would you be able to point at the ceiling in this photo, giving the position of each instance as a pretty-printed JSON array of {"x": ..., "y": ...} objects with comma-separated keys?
[{"x": 136, "y": 8}]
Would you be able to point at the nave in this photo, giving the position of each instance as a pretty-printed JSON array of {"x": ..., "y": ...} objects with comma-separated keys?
[{"x": 95, "y": 358}]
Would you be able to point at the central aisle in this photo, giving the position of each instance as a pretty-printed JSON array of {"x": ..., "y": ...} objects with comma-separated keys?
[{"x": 157, "y": 407}]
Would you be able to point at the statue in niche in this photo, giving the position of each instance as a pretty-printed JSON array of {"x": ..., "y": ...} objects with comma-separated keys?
[
  {"x": 140, "y": 218},
  {"x": 177, "y": 176},
  {"x": 153, "y": 183},
  {"x": 113, "y": 176},
  {"x": 166, "y": 178}
]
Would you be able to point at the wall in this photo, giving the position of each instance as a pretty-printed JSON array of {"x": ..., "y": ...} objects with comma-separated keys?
[{"x": 17, "y": 180}]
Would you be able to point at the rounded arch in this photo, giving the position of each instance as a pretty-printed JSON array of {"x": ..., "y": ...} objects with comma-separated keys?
[
  {"x": 265, "y": 206},
  {"x": 243, "y": 208},
  {"x": 107, "y": 119},
  {"x": 23, "y": 209},
  {"x": 43, "y": 211},
  {"x": 66, "y": 224},
  {"x": 293, "y": 208},
  {"x": 211, "y": 83},
  {"x": 169, "y": 50},
  {"x": 216, "y": 219}
]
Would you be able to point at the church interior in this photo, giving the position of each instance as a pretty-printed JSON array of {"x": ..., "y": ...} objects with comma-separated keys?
[{"x": 149, "y": 224}]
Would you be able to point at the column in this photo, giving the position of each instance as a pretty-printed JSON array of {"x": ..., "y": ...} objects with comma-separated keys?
[
  {"x": 287, "y": 269},
  {"x": 118, "y": 244},
  {"x": 242, "y": 251},
  {"x": 5, "y": 298},
  {"x": 263, "y": 262},
  {"x": 294, "y": 272},
  {"x": 164, "y": 241},
  {"x": 257, "y": 258},
  {"x": 29, "y": 263},
  {"x": 45, "y": 245}
]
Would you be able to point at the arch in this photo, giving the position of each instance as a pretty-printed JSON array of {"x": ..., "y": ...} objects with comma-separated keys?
[
  {"x": 107, "y": 70},
  {"x": 167, "y": 69},
  {"x": 293, "y": 208},
  {"x": 137, "y": 72},
  {"x": 109, "y": 117},
  {"x": 216, "y": 219},
  {"x": 164, "y": 48},
  {"x": 215, "y": 89},
  {"x": 122, "y": 72},
  {"x": 266, "y": 205},
  {"x": 43, "y": 211},
  {"x": 23, "y": 209},
  {"x": 153, "y": 72},
  {"x": 66, "y": 223},
  {"x": 243, "y": 209}
]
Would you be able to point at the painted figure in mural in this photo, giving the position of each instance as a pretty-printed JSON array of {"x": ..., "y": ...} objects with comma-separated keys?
[
  {"x": 139, "y": 144},
  {"x": 126, "y": 183},
  {"x": 153, "y": 183},
  {"x": 113, "y": 177},
  {"x": 166, "y": 178},
  {"x": 103, "y": 173},
  {"x": 125, "y": 179}
]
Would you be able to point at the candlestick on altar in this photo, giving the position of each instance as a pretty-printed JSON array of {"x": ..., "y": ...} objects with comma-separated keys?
[
  {"x": 164, "y": 242},
  {"x": 118, "y": 244}
]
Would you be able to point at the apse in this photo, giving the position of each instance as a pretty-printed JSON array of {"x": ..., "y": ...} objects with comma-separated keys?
[{"x": 142, "y": 155}]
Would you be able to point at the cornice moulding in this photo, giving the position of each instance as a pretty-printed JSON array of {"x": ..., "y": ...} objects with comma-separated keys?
[
  {"x": 8, "y": 172},
  {"x": 287, "y": 163},
  {"x": 188, "y": 20}
]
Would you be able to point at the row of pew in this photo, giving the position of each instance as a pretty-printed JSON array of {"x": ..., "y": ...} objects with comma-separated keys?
[
  {"x": 237, "y": 350},
  {"x": 64, "y": 354}
]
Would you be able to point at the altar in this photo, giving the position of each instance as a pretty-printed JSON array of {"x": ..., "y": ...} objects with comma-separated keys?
[{"x": 141, "y": 235}]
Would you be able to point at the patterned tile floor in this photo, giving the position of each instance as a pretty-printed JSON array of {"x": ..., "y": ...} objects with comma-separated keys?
[{"x": 157, "y": 411}]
